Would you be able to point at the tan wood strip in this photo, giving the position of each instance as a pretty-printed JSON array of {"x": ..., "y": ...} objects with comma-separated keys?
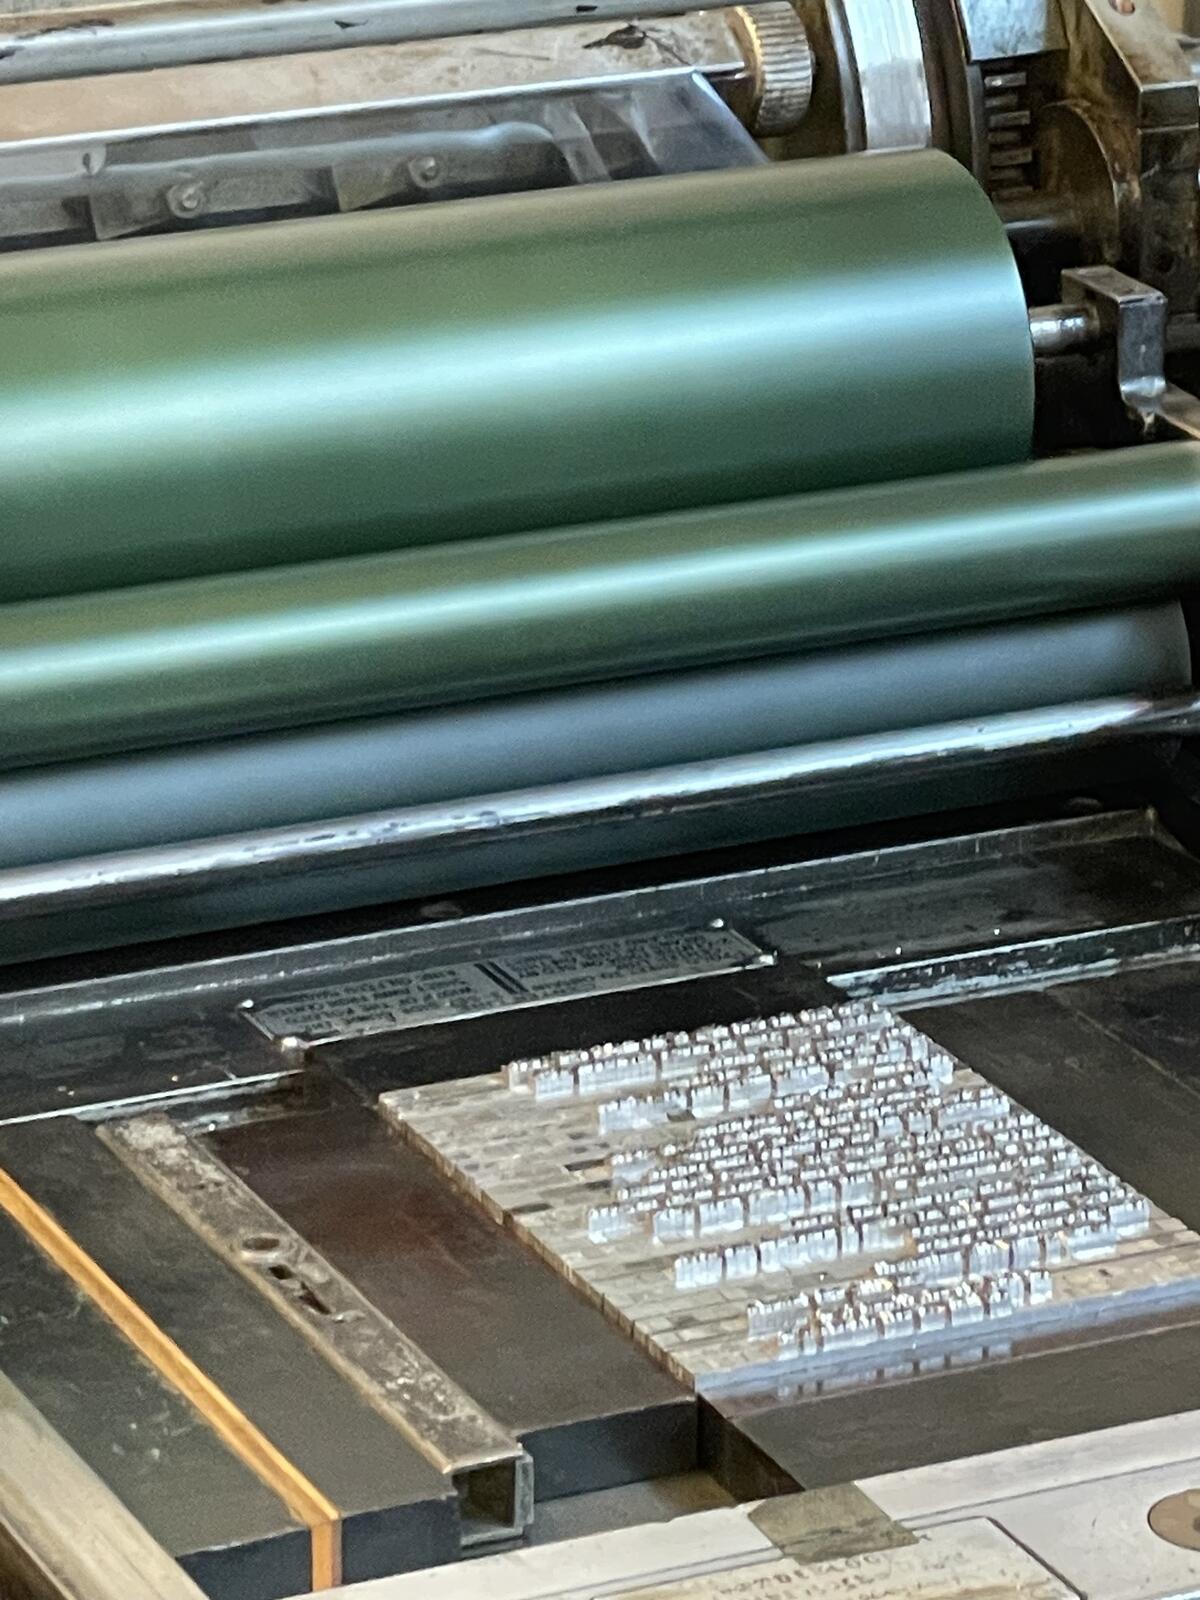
[{"x": 302, "y": 1498}]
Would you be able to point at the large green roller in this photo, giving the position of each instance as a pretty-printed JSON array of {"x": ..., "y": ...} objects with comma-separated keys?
[
  {"x": 189, "y": 660},
  {"x": 248, "y": 397}
]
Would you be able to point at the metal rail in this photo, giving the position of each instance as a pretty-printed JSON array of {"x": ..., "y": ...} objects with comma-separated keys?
[
  {"x": 434, "y": 843},
  {"x": 78, "y": 41}
]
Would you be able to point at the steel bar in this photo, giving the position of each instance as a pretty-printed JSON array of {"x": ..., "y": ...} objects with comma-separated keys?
[
  {"x": 96, "y": 1551},
  {"x": 245, "y": 397},
  {"x": 152, "y": 665},
  {"x": 230, "y": 786},
  {"x": 392, "y": 855},
  {"x": 41, "y": 118},
  {"x": 79, "y": 41}
]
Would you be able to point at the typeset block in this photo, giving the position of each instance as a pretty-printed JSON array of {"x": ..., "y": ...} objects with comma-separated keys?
[{"x": 807, "y": 1191}]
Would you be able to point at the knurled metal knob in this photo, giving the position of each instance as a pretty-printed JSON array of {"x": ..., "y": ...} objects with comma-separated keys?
[{"x": 781, "y": 61}]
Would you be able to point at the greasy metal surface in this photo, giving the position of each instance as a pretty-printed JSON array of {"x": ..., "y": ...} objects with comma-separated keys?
[
  {"x": 101, "y": 1552},
  {"x": 998, "y": 30},
  {"x": 189, "y": 660},
  {"x": 47, "y": 40},
  {"x": 888, "y": 62},
  {"x": 170, "y": 1023},
  {"x": 141, "y": 1439},
  {"x": 199, "y": 791},
  {"x": 828, "y": 1523},
  {"x": 433, "y": 850},
  {"x": 442, "y": 1422},
  {"x": 591, "y": 1409},
  {"x": 977, "y": 1409},
  {"x": 528, "y": 977},
  {"x": 499, "y": 365},
  {"x": 48, "y": 119},
  {"x": 397, "y": 1512}
]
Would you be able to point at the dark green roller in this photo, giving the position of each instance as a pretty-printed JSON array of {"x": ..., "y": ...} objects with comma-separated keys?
[
  {"x": 152, "y": 666},
  {"x": 250, "y": 397}
]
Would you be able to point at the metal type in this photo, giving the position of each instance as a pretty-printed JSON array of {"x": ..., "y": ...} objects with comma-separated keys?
[
  {"x": 236, "y": 654},
  {"x": 231, "y": 786},
  {"x": 324, "y": 387},
  {"x": 816, "y": 1189},
  {"x": 591, "y": 1409}
]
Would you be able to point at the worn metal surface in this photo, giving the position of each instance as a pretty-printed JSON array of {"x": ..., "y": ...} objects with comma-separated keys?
[
  {"x": 999, "y": 30},
  {"x": 145, "y": 1443},
  {"x": 83, "y": 905},
  {"x": 87, "y": 1033},
  {"x": 887, "y": 59},
  {"x": 1086, "y": 1505},
  {"x": 490, "y": 1472},
  {"x": 499, "y": 365},
  {"x": 101, "y": 1553},
  {"x": 591, "y": 1409},
  {"x": 49, "y": 120},
  {"x": 46, "y": 40},
  {"x": 396, "y": 1512},
  {"x": 727, "y": 1562},
  {"x": 526, "y": 978}
]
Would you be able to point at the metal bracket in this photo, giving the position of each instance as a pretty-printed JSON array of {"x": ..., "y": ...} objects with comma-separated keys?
[{"x": 1134, "y": 317}]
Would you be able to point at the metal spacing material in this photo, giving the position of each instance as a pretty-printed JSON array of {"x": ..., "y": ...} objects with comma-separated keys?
[
  {"x": 493, "y": 1473},
  {"x": 387, "y": 839},
  {"x": 782, "y": 64},
  {"x": 76, "y": 40},
  {"x": 888, "y": 62},
  {"x": 52, "y": 120},
  {"x": 63, "y": 1534}
]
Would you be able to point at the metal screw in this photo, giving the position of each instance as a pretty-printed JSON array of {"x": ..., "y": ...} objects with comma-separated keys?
[
  {"x": 187, "y": 199},
  {"x": 425, "y": 169}
]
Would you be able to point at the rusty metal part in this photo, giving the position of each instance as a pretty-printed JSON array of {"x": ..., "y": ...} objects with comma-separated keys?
[
  {"x": 47, "y": 40},
  {"x": 1123, "y": 139},
  {"x": 493, "y": 1475}
]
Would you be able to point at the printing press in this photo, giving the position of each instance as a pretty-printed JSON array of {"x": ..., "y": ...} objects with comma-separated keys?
[{"x": 599, "y": 799}]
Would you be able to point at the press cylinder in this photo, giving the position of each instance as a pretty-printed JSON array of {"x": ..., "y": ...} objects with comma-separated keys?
[
  {"x": 232, "y": 786},
  {"x": 156, "y": 665},
  {"x": 171, "y": 407}
]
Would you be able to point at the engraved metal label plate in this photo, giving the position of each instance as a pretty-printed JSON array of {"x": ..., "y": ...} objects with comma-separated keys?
[{"x": 528, "y": 977}]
